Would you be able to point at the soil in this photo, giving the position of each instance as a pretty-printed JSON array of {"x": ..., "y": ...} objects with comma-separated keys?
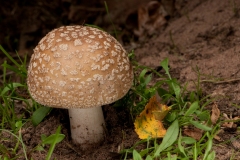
[{"x": 199, "y": 37}]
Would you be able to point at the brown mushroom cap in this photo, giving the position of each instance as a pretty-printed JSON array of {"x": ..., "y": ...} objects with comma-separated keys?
[{"x": 78, "y": 67}]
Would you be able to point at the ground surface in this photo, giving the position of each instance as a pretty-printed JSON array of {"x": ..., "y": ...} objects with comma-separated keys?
[{"x": 196, "y": 33}]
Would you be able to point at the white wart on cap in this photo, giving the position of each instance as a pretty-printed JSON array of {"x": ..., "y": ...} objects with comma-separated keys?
[{"x": 78, "y": 67}]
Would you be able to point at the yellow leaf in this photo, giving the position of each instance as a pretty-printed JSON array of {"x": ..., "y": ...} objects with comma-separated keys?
[
  {"x": 148, "y": 123},
  {"x": 161, "y": 112}
]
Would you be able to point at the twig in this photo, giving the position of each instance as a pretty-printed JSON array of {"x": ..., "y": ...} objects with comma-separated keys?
[{"x": 219, "y": 82}]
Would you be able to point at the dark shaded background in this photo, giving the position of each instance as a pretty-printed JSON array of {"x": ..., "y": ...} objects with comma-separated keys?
[{"x": 24, "y": 22}]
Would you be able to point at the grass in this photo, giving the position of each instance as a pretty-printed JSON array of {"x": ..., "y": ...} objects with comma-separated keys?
[
  {"x": 235, "y": 8},
  {"x": 13, "y": 123},
  {"x": 187, "y": 111}
]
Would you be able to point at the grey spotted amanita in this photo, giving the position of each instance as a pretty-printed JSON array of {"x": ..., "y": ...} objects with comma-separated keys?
[{"x": 80, "y": 68}]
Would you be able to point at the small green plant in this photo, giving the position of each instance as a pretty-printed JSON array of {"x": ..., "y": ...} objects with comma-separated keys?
[
  {"x": 12, "y": 153},
  {"x": 9, "y": 91},
  {"x": 51, "y": 140},
  {"x": 5, "y": 152},
  {"x": 11, "y": 122},
  {"x": 20, "y": 68},
  {"x": 188, "y": 110}
]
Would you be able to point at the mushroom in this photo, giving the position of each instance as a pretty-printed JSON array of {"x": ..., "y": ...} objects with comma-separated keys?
[{"x": 80, "y": 68}]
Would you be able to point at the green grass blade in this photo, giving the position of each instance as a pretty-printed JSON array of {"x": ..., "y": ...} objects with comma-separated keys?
[
  {"x": 188, "y": 140},
  {"x": 169, "y": 138},
  {"x": 54, "y": 139},
  {"x": 136, "y": 155},
  {"x": 40, "y": 114},
  {"x": 194, "y": 106},
  {"x": 21, "y": 68},
  {"x": 106, "y": 7},
  {"x": 19, "y": 138},
  {"x": 9, "y": 57},
  {"x": 164, "y": 64},
  {"x": 142, "y": 75},
  {"x": 7, "y": 66},
  {"x": 4, "y": 72},
  {"x": 177, "y": 90},
  {"x": 9, "y": 87},
  {"x": 208, "y": 148},
  {"x": 107, "y": 10},
  {"x": 211, "y": 156},
  {"x": 181, "y": 148},
  {"x": 195, "y": 153},
  {"x": 149, "y": 157},
  {"x": 200, "y": 126},
  {"x": 94, "y": 26}
]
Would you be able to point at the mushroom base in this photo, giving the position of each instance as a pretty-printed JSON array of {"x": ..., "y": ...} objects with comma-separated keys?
[{"x": 87, "y": 126}]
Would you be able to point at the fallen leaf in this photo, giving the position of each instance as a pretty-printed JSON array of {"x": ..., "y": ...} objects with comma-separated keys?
[
  {"x": 230, "y": 124},
  {"x": 193, "y": 132},
  {"x": 215, "y": 113},
  {"x": 161, "y": 111},
  {"x": 151, "y": 17},
  {"x": 217, "y": 137},
  {"x": 148, "y": 123},
  {"x": 227, "y": 124}
]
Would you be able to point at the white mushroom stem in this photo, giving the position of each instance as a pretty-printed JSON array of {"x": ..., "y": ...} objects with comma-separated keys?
[{"x": 87, "y": 126}]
